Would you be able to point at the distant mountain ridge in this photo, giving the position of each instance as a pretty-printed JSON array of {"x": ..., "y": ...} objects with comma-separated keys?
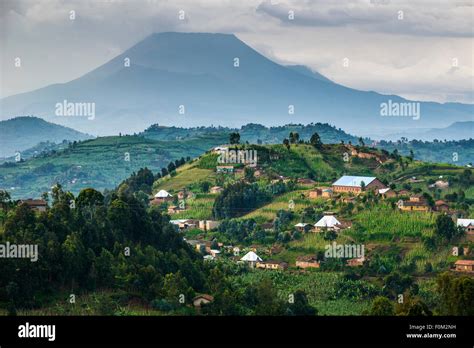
[
  {"x": 455, "y": 131},
  {"x": 196, "y": 79},
  {"x": 25, "y": 132},
  {"x": 458, "y": 130}
]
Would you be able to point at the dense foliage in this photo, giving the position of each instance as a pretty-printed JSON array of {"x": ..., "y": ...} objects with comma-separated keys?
[{"x": 86, "y": 244}]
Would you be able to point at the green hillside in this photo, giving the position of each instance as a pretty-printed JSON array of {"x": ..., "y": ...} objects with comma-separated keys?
[
  {"x": 101, "y": 163},
  {"x": 396, "y": 242},
  {"x": 257, "y": 209},
  {"x": 304, "y": 161},
  {"x": 22, "y": 133}
]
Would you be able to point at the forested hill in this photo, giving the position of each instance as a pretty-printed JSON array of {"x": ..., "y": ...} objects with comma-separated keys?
[
  {"x": 22, "y": 133},
  {"x": 460, "y": 152},
  {"x": 254, "y": 133}
]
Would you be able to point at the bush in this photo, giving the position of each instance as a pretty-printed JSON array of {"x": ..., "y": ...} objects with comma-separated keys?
[{"x": 162, "y": 305}]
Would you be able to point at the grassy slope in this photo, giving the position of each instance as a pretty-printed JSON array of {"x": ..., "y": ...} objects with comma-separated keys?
[
  {"x": 99, "y": 163},
  {"x": 301, "y": 161},
  {"x": 378, "y": 225}
]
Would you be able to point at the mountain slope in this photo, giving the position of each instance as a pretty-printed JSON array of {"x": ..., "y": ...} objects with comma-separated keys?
[
  {"x": 308, "y": 72},
  {"x": 456, "y": 131},
  {"x": 195, "y": 71},
  {"x": 22, "y": 133}
]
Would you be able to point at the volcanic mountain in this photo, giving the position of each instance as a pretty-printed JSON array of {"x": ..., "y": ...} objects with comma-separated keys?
[{"x": 194, "y": 79}]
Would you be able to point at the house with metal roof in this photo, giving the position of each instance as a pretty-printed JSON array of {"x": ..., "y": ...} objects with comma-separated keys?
[
  {"x": 328, "y": 222},
  {"x": 357, "y": 184},
  {"x": 467, "y": 224},
  {"x": 160, "y": 197},
  {"x": 251, "y": 258}
]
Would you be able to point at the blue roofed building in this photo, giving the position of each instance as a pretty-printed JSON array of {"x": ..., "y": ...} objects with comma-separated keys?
[{"x": 356, "y": 184}]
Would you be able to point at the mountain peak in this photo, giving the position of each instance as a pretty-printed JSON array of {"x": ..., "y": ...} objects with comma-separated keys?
[{"x": 217, "y": 79}]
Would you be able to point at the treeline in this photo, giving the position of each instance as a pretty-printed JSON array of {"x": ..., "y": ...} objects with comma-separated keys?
[
  {"x": 455, "y": 151},
  {"x": 254, "y": 133},
  {"x": 242, "y": 197},
  {"x": 92, "y": 242}
]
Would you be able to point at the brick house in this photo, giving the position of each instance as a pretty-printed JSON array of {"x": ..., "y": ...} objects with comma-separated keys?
[
  {"x": 441, "y": 205},
  {"x": 320, "y": 192},
  {"x": 357, "y": 184},
  {"x": 464, "y": 265},
  {"x": 199, "y": 300},
  {"x": 216, "y": 189},
  {"x": 270, "y": 264},
  {"x": 415, "y": 203},
  {"x": 307, "y": 262},
  {"x": 35, "y": 204}
]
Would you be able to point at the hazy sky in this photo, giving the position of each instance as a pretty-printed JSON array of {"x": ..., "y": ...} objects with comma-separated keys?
[{"x": 417, "y": 49}]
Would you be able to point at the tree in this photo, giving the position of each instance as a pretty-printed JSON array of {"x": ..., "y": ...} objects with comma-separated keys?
[
  {"x": 396, "y": 284},
  {"x": 5, "y": 199},
  {"x": 382, "y": 306},
  {"x": 429, "y": 199},
  {"x": 300, "y": 305},
  {"x": 249, "y": 174},
  {"x": 226, "y": 303},
  {"x": 89, "y": 197},
  {"x": 263, "y": 297},
  {"x": 286, "y": 142},
  {"x": 456, "y": 294},
  {"x": 204, "y": 186},
  {"x": 74, "y": 262},
  {"x": 361, "y": 141},
  {"x": 294, "y": 137},
  {"x": 412, "y": 306},
  {"x": 445, "y": 227},
  {"x": 234, "y": 138},
  {"x": 315, "y": 140},
  {"x": 176, "y": 289},
  {"x": 171, "y": 167}
]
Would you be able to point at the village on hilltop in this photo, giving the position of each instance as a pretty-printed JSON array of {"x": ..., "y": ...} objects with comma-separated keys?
[{"x": 203, "y": 234}]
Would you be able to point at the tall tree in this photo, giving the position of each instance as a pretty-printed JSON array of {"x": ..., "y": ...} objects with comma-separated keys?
[
  {"x": 234, "y": 138},
  {"x": 315, "y": 140}
]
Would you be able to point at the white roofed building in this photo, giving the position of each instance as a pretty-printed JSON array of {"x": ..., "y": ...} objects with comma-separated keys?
[
  {"x": 467, "y": 224},
  {"x": 302, "y": 226},
  {"x": 251, "y": 258},
  {"x": 161, "y": 196},
  {"x": 327, "y": 222}
]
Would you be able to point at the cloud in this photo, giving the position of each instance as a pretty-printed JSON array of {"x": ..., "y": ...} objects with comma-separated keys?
[
  {"x": 424, "y": 18},
  {"x": 409, "y": 56}
]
